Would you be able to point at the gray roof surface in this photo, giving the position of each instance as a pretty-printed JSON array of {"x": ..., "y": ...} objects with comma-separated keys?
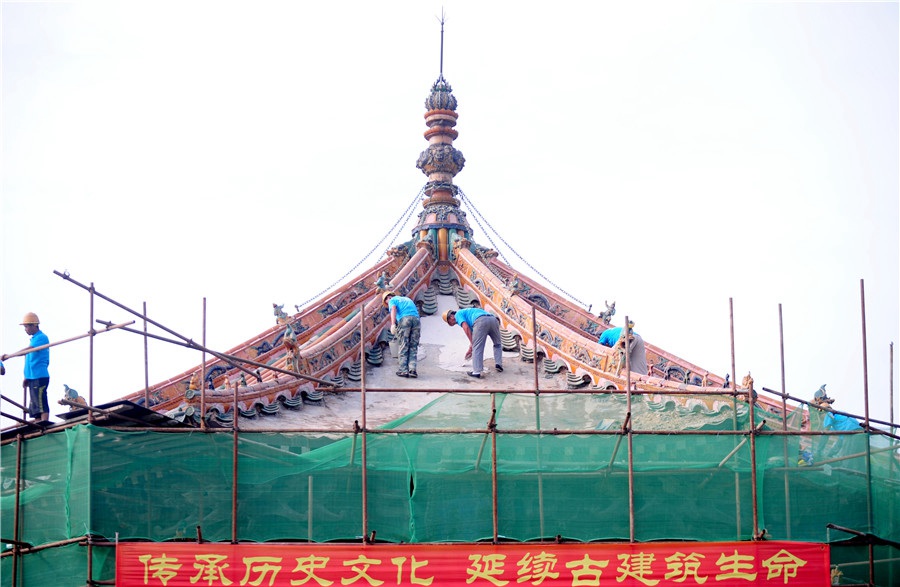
[{"x": 441, "y": 366}]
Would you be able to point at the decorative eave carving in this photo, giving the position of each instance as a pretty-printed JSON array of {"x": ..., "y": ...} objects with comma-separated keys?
[
  {"x": 484, "y": 253},
  {"x": 425, "y": 244},
  {"x": 400, "y": 251}
]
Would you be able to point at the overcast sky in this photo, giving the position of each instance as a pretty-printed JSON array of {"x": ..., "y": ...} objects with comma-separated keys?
[{"x": 669, "y": 156}]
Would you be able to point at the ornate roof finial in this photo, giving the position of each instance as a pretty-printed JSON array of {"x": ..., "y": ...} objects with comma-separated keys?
[
  {"x": 441, "y": 219},
  {"x": 441, "y": 161},
  {"x": 441, "y": 96}
]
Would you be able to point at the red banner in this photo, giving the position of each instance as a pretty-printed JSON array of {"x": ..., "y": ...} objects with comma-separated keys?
[{"x": 657, "y": 564}]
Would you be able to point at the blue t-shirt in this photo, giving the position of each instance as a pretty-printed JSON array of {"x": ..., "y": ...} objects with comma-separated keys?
[
  {"x": 37, "y": 362},
  {"x": 469, "y": 316},
  {"x": 405, "y": 307},
  {"x": 839, "y": 422},
  {"x": 610, "y": 336}
]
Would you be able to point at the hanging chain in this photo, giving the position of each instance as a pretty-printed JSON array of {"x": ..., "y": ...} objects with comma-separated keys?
[
  {"x": 407, "y": 214},
  {"x": 401, "y": 222},
  {"x": 477, "y": 214}
]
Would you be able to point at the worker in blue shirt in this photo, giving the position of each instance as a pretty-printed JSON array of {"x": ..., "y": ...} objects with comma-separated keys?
[
  {"x": 637, "y": 357},
  {"x": 478, "y": 325},
  {"x": 406, "y": 326},
  {"x": 37, "y": 374},
  {"x": 833, "y": 422}
]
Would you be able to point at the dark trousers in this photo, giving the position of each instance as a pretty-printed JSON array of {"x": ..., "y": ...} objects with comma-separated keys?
[{"x": 37, "y": 396}]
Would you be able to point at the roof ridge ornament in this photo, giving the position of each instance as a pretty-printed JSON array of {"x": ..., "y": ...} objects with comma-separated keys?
[
  {"x": 441, "y": 96},
  {"x": 440, "y": 162}
]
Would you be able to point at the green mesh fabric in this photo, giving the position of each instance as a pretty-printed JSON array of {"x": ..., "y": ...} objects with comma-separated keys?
[
  {"x": 63, "y": 566},
  {"x": 429, "y": 478},
  {"x": 853, "y": 562},
  {"x": 55, "y": 491}
]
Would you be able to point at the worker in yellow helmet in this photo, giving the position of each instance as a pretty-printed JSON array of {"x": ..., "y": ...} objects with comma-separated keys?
[{"x": 37, "y": 374}]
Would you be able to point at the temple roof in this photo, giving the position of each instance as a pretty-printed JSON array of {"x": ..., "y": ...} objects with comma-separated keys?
[{"x": 299, "y": 373}]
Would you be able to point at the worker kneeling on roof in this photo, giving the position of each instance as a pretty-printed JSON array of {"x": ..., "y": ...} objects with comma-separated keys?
[
  {"x": 637, "y": 355},
  {"x": 831, "y": 421},
  {"x": 478, "y": 324}
]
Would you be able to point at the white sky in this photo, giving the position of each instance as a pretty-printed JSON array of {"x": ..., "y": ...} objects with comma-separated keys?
[{"x": 669, "y": 156}]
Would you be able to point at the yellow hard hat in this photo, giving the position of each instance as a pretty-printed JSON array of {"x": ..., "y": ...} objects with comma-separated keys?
[
  {"x": 446, "y": 315},
  {"x": 386, "y": 295},
  {"x": 30, "y": 318}
]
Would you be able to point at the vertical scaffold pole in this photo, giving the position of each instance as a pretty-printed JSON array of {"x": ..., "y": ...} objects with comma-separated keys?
[
  {"x": 628, "y": 431},
  {"x": 90, "y": 560},
  {"x": 784, "y": 413},
  {"x": 203, "y": 372},
  {"x": 752, "y": 431},
  {"x": 495, "y": 514},
  {"x": 362, "y": 396},
  {"x": 534, "y": 338},
  {"x": 862, "y": 302},
  {"x": 234, "y": 465},
  {"x": 891, "y": 381},
  {"x": 91, "y": 357},
  {"x": 16, "y": 538},
  {"x": 737, "y": 476},
  {"x": 537, "y": 416},
  {"x": 146, "y": 362}
]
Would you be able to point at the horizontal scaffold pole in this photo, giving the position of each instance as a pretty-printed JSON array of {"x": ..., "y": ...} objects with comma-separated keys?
[
  {"x": 187, "y": 341},
  {"x": 231, "y": 359},
  {"x": 31, "y": 349}
]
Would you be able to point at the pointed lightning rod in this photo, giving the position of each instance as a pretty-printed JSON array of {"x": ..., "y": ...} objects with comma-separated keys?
[{"x": 442, "y": 20}]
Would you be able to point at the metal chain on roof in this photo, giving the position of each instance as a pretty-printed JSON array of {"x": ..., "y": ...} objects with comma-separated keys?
[
  {"x": 466, "y": 200},
  {"x": 478, "y": 217},
  {"x": 401, "y": 222}
]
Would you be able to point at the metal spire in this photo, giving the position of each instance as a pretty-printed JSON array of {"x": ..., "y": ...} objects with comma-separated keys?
[{"x": 442, "y": 20}]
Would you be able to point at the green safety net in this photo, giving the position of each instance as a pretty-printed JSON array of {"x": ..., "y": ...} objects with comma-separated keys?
[
  {"x": 63, "y": 566},
  {"x": 430, "y": 478}
]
